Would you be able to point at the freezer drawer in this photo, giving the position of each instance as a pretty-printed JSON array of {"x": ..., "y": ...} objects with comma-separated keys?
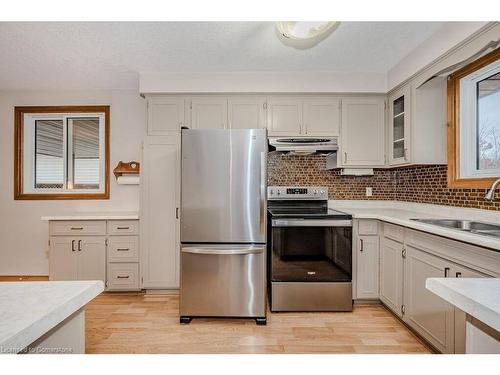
[{"x": 223, "y": 281}]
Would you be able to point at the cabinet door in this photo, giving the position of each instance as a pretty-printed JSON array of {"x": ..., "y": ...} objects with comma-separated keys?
[
  {"x": 209, "y": 113},
  {"x": 362, "y": 132},
  {"x": 399, "y": 127},
  {"x": 91, "y": 258},
  {"x": 367, "y": 267},
  {"x": 63, "y": 258},
  {"x": 322, "y": 117},
  {"x": 427, "y": 313},
  {"x": 284, "y": 116},
  {"x": 159, "y": 210},
  {"x": 165, "y": 115},
  {"x": 391, "y": 275},
  {"x": 460, "y": 317},
  {"x": 247, "y": 112}
]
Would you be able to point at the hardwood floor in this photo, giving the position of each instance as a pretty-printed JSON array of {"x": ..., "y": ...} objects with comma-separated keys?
[{"x": 138, "y": 323}]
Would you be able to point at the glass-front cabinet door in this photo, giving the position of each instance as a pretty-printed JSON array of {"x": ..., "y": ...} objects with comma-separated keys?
[{"x": 399, "y": 126}]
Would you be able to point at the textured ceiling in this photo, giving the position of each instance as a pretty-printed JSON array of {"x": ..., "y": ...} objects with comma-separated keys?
[{"x": 110, "y": 55}]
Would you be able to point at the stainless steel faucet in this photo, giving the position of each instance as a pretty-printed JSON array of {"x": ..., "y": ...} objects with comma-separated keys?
[{"x": 490, "y": 195}]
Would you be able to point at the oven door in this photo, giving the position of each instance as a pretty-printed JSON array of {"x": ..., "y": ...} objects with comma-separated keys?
[{"x": 311, "y": 250}]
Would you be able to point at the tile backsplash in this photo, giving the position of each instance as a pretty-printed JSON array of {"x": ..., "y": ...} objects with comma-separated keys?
[{"x": 422, "y": 183}]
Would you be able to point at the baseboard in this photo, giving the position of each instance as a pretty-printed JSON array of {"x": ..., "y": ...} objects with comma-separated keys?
[
  {"x": 367, "y": 302},
  {"x": 24, "y": 278},
  {"x": 162, "y": 291}
]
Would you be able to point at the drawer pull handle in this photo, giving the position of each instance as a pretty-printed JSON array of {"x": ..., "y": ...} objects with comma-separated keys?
[
  {"x": 72, "y": 245},
  {"x": 76, "y": 228},
  {"x": 458, "y": 274},
  {"x": 122, "y": 249},
  {"x": 79, "y": 245},
  {"x": 122, "y": 227},
  {"x": 122, "y": 277},
  {"x": 446, "y": 270},
  {"x": 362, "y": 244}
]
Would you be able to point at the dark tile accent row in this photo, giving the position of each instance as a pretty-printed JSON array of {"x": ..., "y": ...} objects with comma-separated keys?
[{"x": 422, "y": 183}]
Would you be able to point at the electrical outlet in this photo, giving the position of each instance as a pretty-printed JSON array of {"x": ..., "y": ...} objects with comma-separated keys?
[{"x": 369, "y": 191}]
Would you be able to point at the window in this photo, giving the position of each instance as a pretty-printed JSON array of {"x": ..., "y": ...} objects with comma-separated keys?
[
  {"x": 474, "y": 123},
  {"x": 61, "y": 152}
]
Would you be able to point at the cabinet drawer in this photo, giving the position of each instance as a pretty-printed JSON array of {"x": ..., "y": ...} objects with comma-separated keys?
[
  {"x": 123, "y": 227},
  {"x": 77, "y": 228},
  {"x": 123, "y": 249},
  {"x": 394, "y": 232},
  {"x": 123, "y": 276},
  {"x": 368, "y": 227}
]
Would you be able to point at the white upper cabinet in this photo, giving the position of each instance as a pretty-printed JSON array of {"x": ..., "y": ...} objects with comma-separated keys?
[
  {"x": 165, "y": 115},
  {"x": 247, "y": 112},
  {"x": 417, "y": 125},
  {"x": 399, "y": 126},
  {"x": 313, "y": 116},
  {"x": 321, "y": 117},
  {"x": 362, "y": 132},
  {"x": 284, "y": 116},
  {"x": 209, "y": 113}
]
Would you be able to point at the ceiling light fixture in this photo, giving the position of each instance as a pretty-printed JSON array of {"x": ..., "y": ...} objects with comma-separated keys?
[{"x": 303, "y": 35}]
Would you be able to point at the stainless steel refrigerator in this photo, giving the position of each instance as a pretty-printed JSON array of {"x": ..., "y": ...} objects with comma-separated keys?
[{"x": 223, "y": 224}]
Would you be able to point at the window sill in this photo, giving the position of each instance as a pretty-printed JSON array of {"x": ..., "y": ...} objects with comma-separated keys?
[
  {"x": 470, "y": 183},
  {"x": 67, "y": 196}
]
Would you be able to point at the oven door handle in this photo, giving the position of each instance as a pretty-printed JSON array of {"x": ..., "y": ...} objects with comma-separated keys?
[{"x": 311, "y": 223}]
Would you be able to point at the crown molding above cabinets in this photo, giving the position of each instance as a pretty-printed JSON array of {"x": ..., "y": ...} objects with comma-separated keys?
[{"x": 262, "y": 82}]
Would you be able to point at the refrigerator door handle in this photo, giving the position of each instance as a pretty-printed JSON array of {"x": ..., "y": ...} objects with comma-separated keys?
[
  {"x": 222, "y": 251},
  {"x": 263, "y": 182}
]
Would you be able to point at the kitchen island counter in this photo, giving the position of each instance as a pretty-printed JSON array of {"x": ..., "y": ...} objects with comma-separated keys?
[{"x": 45, "y": 316}]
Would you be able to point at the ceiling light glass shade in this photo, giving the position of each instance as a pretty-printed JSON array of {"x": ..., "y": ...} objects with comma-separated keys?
[{"x": 304, "y": 34}]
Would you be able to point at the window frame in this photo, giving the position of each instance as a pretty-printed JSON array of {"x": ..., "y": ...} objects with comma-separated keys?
[
  {"x": 19, "y": 137},
  {"x": 456, "y": 178}
]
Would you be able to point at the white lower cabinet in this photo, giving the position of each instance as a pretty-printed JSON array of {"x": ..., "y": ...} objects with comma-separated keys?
[
  {"x": 460, "y": 316},
  {"x": 160, "y": 204},
  {"x": 123, "y": 276},
  {"x": 391, "y": 274},
  {"x": 407, "y": 259},
  {"x": 95, "y": 257},
  {"x": 63, "y": 261},
  {"x": 367, "y": 260},
  {"x": 427, "y": 313},
  {"x": 77, "y": 258}
]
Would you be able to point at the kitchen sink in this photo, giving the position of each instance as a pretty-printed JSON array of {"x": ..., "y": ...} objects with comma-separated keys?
[{"x": 476, "y": 227}]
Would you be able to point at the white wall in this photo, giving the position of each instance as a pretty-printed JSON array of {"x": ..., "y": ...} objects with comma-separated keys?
[{"x": 23, "y": 245}]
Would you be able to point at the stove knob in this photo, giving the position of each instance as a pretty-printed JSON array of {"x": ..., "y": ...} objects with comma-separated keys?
[
  {"x": 271, "y": 192},
  {"x": 322, "y": 192},
  {"x": 315, "y": 192},
  {"x": 278, "y": 192}
]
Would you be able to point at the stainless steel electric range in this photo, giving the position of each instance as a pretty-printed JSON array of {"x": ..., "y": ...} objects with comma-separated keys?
[{"x": 309, "y": 251}]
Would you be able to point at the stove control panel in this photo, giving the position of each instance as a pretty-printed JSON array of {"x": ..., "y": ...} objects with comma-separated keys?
[{"x": 297, "y": 192}]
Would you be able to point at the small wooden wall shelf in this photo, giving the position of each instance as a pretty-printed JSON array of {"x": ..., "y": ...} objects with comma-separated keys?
[{"x": 127, "y": 173}]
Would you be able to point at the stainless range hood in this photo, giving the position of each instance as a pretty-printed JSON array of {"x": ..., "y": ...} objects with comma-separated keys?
[{"x": 303, "y": 145}]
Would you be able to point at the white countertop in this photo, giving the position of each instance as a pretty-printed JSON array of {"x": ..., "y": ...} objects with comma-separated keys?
[
  {"x": 30, "y": 309},
  {"x": 400, "y": 213},
  {"x": 479, "y": 298},
  {"x": 94, "y": 216}
]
